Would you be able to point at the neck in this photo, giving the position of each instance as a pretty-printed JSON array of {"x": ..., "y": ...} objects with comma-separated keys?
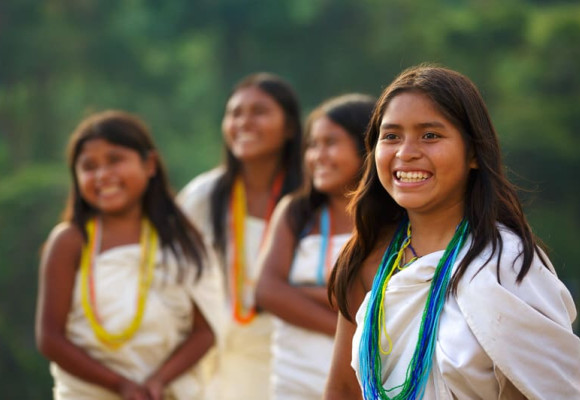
[
  {"x": 119, "y": 230},
  {"x": 430, "y": 233},
  {"x": 342, "y": 221},
  {"x": 259, "y": 175}
]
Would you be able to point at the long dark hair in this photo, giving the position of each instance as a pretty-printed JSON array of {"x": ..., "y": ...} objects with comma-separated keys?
[
  {"x": 489, "y": 198},
  {"x": 123, "y": 129},
  {"x": 352, "y": 112},
  {"x": 283, "y": 94}
]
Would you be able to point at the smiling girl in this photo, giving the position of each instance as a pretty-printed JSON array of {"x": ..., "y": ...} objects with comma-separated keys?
[
  {"x": 127, "y": 300},
  {"x": 308, "y": 230},
  {"x": 444, "y": 292},
  {"x": 232, "y": 205}
]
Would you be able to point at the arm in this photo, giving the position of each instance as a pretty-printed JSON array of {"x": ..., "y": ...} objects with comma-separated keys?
[
  {"x": 274, "y": 293},
  {"x": 316, "y": 293},
  {"x": 187, "y": 354},
  {"x": 58, "y": 268},
  {"x": 342, "y": 382}
]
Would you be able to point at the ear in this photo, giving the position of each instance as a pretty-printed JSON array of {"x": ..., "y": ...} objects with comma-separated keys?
[
  {"x": 151, "y": 163},
  {"x": 472, "y": 164}
]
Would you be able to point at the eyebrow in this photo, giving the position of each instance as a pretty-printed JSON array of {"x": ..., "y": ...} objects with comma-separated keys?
[{"x": 430, "y": 124}]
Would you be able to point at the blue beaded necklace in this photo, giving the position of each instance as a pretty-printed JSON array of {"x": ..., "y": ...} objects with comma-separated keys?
[{"x": 370, "y": 349}]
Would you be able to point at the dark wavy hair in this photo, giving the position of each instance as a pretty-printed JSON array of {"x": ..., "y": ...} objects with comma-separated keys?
[
  {"x": 283, "y": 94},
  {"x": 123, "y": 129},
  {"x": 489, "y": 198},
  {"x": 350, "y": 111}
]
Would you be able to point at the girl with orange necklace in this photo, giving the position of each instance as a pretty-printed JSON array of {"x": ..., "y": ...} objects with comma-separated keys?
[
  {"x": 308, "y": 229},
  {"x": 443, "y": 290},
  {"x": 128, "y": 301},
  {"x": 232, "y": 205}
]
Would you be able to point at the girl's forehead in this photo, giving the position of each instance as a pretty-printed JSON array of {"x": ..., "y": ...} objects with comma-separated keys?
[
  {"x": 249, "y": 94},
  {"x": 100, "y": 144}
]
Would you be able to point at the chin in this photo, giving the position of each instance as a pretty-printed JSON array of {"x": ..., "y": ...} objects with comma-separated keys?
[{"x": 410, "y": 204}]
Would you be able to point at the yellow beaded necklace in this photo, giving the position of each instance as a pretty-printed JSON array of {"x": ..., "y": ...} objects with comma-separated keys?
[{"x": 148, "y": 241}]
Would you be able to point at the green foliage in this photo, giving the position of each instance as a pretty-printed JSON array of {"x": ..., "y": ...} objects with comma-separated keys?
[
  {"x": 174, "y": 62},
  {"x": 31, "y": 201}
]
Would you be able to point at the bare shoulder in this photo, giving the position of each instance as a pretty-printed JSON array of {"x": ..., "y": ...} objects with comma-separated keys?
[
  {"x": 65, "y": 234},
  {"x": 285, "y": 202},
  {"x": 65, "y": 239},
  {"x": 282, "y": 208}
]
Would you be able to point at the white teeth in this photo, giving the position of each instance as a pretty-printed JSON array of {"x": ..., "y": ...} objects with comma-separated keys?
[
  {"x": 108, "y": 190},
  {"x": 411, "y": 176},
  {"x": 245, "y": 136}
]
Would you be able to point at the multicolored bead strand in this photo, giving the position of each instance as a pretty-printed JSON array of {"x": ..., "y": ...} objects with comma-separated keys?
[{"x": 370, "y": 349}]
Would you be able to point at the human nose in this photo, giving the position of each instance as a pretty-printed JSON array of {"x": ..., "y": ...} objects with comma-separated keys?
[
  {"x": 408, "y": 149},
  {"x": 319, "y": 151},
  {"x": 102, "y": 172},
  {"x": 242, "y": 119}
]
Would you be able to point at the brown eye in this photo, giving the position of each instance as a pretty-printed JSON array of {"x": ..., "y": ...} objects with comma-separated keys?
[
  {"x": 431, "y": 135},
  {"x": 86, "y": 166},
  {"x": 389, "y": 136}
]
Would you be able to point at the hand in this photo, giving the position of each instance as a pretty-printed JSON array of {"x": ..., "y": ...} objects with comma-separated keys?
[
  {"x": 154, "y": 388},
  {"x": 131, "y": 391}
]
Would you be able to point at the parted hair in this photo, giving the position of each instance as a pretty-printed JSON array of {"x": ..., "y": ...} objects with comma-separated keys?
[
  {"x": 489, "y": 198},
  {"x": 283, "y": 94},
  {"x": 350, "y": 111},
  {"x": 123, "y": 129}
]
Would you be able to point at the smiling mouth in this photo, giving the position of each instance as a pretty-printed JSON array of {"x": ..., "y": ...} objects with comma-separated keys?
[
  {"x": 411, "y": 176},
  {"x": 246, "y": 137},
  {"x": 108, "y": 191}
]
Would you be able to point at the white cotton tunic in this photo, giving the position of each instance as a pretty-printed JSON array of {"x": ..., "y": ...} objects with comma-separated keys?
[
  {"x": 495, "y": 341},
  {"x": 241, "y": 367},
  {"x": 167, "y": 320},
  {"x": 301, "y": 357}
]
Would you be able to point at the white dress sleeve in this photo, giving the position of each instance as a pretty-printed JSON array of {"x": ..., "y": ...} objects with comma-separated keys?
[{"x": 524, "y": 328}]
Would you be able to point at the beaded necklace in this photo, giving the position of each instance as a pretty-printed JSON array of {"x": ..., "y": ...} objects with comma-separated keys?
[
  {"x": 370, "y": 349},
  {"x": 242, "y": 287},
  {"x": 148, "y": 240},
  {"x": 324, "y": 264}
]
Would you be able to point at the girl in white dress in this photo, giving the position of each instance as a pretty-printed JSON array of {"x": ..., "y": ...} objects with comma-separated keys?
[
  {"x": 444, "y": 292},
  {"x": 128, "y": 302},
  {"x": 308, "y": 230},
  {"x": 232, "y": 205}
]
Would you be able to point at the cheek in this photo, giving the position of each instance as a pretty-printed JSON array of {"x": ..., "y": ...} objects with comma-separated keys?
[
  {"x": 276, "y": 127},
  {"x": 382, "y": 159},
  {"x": 382, "y": 164},
  {"x": 83, "y": 179},
  {"x": 348, "y": 156},
  {"x": 309, "y": 159},
  {"x": 226, "y": 128}
]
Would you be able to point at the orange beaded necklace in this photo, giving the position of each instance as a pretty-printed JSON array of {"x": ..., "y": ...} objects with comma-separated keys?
[{"x": 241, "y": 286}]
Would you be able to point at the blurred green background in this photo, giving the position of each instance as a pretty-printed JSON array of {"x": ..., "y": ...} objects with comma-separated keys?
[{"x": 174, "y": 62}]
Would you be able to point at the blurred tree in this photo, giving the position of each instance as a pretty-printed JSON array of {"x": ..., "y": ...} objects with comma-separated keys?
[{"x": 174, "y": 63}]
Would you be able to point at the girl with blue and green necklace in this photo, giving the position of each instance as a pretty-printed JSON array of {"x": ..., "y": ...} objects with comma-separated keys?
[{"x": 443, "y": 290}]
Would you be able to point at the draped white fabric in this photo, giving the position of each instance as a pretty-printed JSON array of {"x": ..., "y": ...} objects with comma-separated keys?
[
  {"x": 241, "y": 367},
  {"x": 167, "y": 319},
  {"x": 495, "y": 341},
  {"x": 301, "y": 357}
]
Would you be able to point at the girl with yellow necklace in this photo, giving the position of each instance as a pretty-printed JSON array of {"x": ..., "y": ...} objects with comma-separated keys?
[
  {"x": 127, "y": 301},
  {"x": 232, "y": 205}
]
